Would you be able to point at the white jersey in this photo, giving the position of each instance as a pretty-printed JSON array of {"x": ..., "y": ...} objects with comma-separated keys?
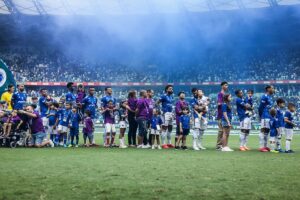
[{"x": 204, "y": 101}]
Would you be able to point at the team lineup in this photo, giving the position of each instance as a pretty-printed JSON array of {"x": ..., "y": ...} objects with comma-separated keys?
[{"x": 150, "y": 123}]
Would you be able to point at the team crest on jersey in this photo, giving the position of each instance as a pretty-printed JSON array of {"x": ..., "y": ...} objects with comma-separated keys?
[{"x": 2, "y": 77}]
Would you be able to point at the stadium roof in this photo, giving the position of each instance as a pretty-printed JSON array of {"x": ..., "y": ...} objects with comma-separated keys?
[{"x": 95, "y": 7}]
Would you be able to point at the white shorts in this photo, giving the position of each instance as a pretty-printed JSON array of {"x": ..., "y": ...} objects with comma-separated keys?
[
  {"x": 200, "y": 123},
  {"x": 281, "y": 130},
  {"x": 265, "y": 123},
  {"x": 245, "y": 124},
  {"x": 167, "y": 119},
  {"x": 62, "y": 129},
  {"x": 45, "y": 121},
  {"x": 110, "y": 128},
  {"x": 155, "y": 132},
  {"x": 122, "y": 124},
  {"x": 51, "y": 130},
  {"x": 289, "y": 134}
]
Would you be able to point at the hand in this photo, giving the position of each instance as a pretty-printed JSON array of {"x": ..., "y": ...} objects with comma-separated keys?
[{"x": 181, "y": 131}]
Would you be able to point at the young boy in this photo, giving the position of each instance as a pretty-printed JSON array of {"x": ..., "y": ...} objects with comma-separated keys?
[
  {"x": 289, "y": 125},
  {"x": 156, "y": 123},
  {"x": 64, "y": 123},
  {"x": 184, "y": 126},
  {"x": 74, "y": 126},
  {"x": 274, "y": 129},
  {"x": 280, "y": 116},
  {"x": 52, "y": 117},
  {"x": 88, "y": 129},
  {"x": 109, "y": 121}
]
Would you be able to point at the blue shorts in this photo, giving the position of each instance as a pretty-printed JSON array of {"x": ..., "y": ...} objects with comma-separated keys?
[
  {"x": 142, "y": 125},
  {"x": 74, "y": 131},
  {"x": 185, "y": 132},
  {"x": 273, "y": 133},
  {"x": 38, "y": 138}
]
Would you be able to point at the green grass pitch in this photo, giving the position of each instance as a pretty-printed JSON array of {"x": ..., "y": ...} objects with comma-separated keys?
[{"x": 98, "y": 173}]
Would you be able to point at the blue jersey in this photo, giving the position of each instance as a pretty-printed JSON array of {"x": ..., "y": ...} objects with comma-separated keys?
[
  {"x": 265, "y": 105},
  {"x": 185, "y": 121},
  {"x": 290, "y": 117},
  {"x": 240, "y": 108},
  {"x": 52, "y": 116},
  {"x": 90, "y": 103},
  {"x": 75, "y": 120},
  {"x": 19, "y": 99},
  {"x": 226, "y": 109},
  {"x": 167, "y": 103},
  {"x": 280, "y": 117},
  {"x": 249, "y": 100},
  {"x": 65, "y": 117},
  {"x": 70, "y": 97},
  {"x": 274, "y": 124},
  {"x": 43, "y": 106},
  {"x": 156, "y": 120},
  {"x": 106, "y": 99}
]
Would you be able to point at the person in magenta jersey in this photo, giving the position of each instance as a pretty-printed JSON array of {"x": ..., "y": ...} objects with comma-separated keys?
[
  {"x": 38, "y": 134},
  {"x": 131, "y": 107},
  {"x": 224, "y": 86},
  {"x": 142, "y": 114},
  {"x": 180, "y": 104}
]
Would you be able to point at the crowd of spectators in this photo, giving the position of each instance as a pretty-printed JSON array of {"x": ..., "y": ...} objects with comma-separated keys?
[{"x": 55, "y": 67}]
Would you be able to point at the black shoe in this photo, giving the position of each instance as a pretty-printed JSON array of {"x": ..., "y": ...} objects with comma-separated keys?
[
  {"x": 290, "y": 151},
  {"x": 177, "y": 147},
  {"x": 184, "y": 148}
]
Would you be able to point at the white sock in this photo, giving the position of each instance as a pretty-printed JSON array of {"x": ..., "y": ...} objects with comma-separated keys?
[
  {"x": 169, "y": 137},
  {"x": 200, "y": 137},
  {"x": 242, "y": 139},
  {"x": 272, "y": 143},
  {"x": 288, "y": 145},
  {"x": 278, "y": 144},
  {"x": 163, "y": 137},
  {"x": 246, "y": 140},
  {"x": 261, "y": 140},
  {"x": 121, "y": 142}
]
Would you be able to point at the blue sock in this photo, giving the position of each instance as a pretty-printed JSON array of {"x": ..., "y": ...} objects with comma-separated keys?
[{"x": 65, "y": 138}]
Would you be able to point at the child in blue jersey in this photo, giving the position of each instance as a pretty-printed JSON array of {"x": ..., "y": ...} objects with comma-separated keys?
[
  {"x": 249, "y": 102},
  {"x": 280, "y": 116},
  {"x": 52, "y": 117},
  {"x": 274, "y": 128},
  {"x": 74, "y": 126},
  {"x": 156, "y": 123},
  {"x": 226, "y": 121},
  {"x": 64, "y": 123},
  {"x": 184, "y": 126},
  {"x": 289, "y": 125}
]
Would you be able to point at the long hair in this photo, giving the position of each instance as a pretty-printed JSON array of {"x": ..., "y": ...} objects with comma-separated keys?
[
  {"x": 226, "y": 100},
  {"x": 131, "y": 94}
]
